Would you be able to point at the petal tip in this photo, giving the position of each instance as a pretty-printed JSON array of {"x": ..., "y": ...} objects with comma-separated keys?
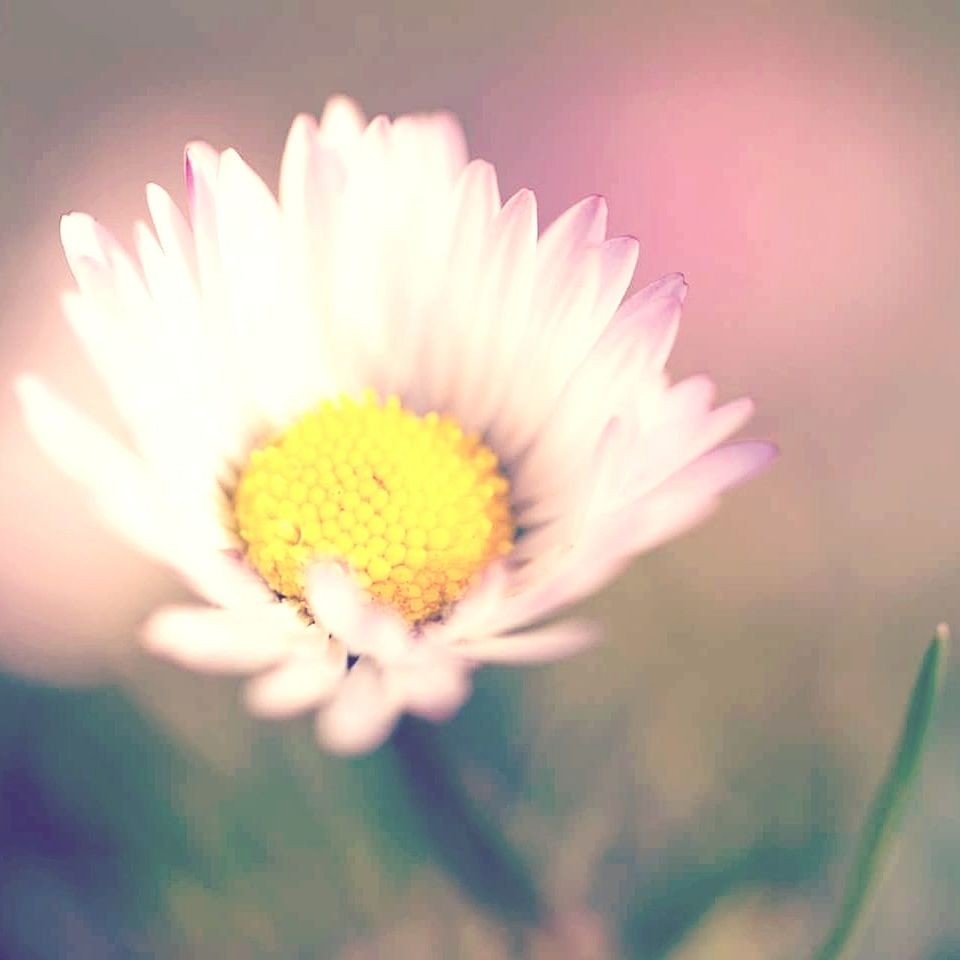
[
  {"x": 773, "y": 453},
  {"x": 378, "y": 126},
  {"x": 231, "y": 160},
  {"x": 195, "y": 154},
  {"x": 674, "y": 284},
  {"x": 339, "y": 104},
  {"x": 303, "y": 124},
  {"x": 189, "y": 177},
  {"x": 523, "y": 205},
  {"x": 757, "y": 457}
]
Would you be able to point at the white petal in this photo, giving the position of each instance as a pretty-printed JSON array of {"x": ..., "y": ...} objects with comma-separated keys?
[
  {"x": 494, "y": 331},
  {"x": 201, "y": 165},
  {"x": 621, "y": 375},
  {"x": 364, "y": 628},
  {"x": 334, "y": 599},
  {"x": 307, "y": 677},
  {"x": 560, "y": 335},
  {"x": 669, "y": 285},
  {"x": 360, "y": 302},
  {"x": 672, "y": 445},
  {"x": 312, "y": 180},
  {"x": 650, "y": 318},
  {"x": 361, "y": 715},
  {"x": 573, "y": 568},
  {"x": 183, "y": 372},
  {"x": 264, "y": 326},
  {"x": 227, "y": 365},
  {"x": 341, "y": 124},
  {"x": 585, "y": 496},
  {"x": 565, "y": 571},
  {"x": 534, "y": 646},
  {"x": 195, "y": 357},
  {"x": 84, "y": 239},
  {"x": 223, "y": 641},
  {"x": 724, "y": 467},
  {"x": 176, "y": 431},
  {"x": 583, "y": 224},
  {"x": 572, "y": 575},
  {"x": 618, "y": 261},
  {"x": 688, "y": 399},
  {"x": 174, "y": 234},
  {"x": 296, "y": 159},
  {"x": 475, "y": 608},
  {"x": 606, "y": 545},
  {"x": 221, "y": 576},
  {"x": 121, "y": 487},
  {"x": 171, "y": 431},
  {"x": 159, "y": 278},
  {"x": 103, "y": 269},
  {"x": 429, "y": 682},
  {"x": 658, "y": 518},
  {"x": 436, "y": 142},
  {"x": 574, "y": 300},
  {"x": 182, "y": 535},
  {"x": 475, "y": 203},
  {"x": 425, "y": 155}
]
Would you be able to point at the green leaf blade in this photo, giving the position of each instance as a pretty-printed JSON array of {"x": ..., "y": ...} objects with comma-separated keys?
[{"x": 886, "y": 813}]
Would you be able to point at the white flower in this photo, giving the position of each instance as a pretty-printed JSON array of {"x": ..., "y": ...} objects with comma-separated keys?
[{"x": 388, "y": 265}]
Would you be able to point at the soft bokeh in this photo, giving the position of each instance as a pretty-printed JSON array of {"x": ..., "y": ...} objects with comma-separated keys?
[{"x": 799, "y": 165}]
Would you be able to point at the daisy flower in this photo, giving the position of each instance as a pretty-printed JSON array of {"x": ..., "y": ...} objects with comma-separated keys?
[{"x": 381, "y": 427}]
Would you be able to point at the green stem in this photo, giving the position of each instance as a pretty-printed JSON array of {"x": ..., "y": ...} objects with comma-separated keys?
[{"x": 471, "y": 849}]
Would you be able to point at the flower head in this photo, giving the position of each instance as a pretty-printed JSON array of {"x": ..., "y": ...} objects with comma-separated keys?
[{"x": 382, "y": 427}]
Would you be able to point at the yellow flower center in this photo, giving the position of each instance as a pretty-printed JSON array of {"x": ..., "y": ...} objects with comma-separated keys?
[{"x": 413, "y": 505}]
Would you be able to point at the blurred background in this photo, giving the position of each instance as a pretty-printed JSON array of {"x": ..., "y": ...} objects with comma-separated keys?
[{"x": 693, "y": 787}]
